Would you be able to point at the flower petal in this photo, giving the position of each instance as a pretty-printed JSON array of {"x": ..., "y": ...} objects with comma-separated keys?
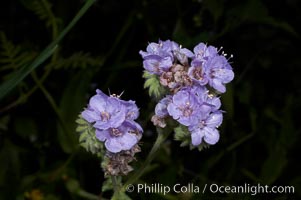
[
  {"x": 102, "y": 135},
  {"x": 98, "y": 103},
  {"x": 215, "y": 119},
  {"x": 211, "y": 135},
  {"x": 225, "y": 75},
  {"x": 124, "y": 142},
  {"x": 174, "y": 111},
  {"x": 90, "y": 115},
  {"x": 197, "y": 136},
  {"x": 217, "y": 84}
]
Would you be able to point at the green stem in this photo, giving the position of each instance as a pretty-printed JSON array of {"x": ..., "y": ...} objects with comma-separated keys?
[
  {"x": 115, "y": 184},
  {"x": 162, "y": 136}
]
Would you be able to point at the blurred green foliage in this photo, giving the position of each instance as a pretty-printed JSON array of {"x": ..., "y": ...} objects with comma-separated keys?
[{"x": 39, "y": 152}]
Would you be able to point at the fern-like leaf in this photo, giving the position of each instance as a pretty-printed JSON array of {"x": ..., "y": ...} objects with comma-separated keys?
[
  {"x": 42, "y": 8},
  {"x": 13, "y": 56},
  {"x": 87, "y": 138},
  {"x": 152, "y": 82}
]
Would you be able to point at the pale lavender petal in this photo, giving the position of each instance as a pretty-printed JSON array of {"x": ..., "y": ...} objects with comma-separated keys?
[
  {"x": 100, "y": 93},
  {"x": 211, "y": 135},
  {"x": 215, "y": 102},
  {"x": 153, "y": 48},
  {"x": 102, "y": 125},
  {"x": 113, "y": 146},
  {"x": 161, "y": 107},
  {"x": 182, "y": 97},
  {"x": 98, "y": 103},
  {"x": 165, "y": 63},
  {"x": 187, "y": 52},
  {"x": 90, "y": 115},
  {"x": 217, "y": 84},
  {"x": 124, "y": 142},
  {"x": 132, "y": 112},
  {"x": 151, "y": 64},
  {"x": 225, "y": 75},
  {"x": 215, "y": 119},
  {"x": 199, "y": 49},
  {"x": 197, "y": 136},
  {"x": 174, "y": 111},
  {"x": 102, "y": 135},
  {"x": 205, "y": 109}
]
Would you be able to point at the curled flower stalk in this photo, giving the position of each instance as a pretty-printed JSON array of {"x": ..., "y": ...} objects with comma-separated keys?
[{"x": 189, "y": 84}]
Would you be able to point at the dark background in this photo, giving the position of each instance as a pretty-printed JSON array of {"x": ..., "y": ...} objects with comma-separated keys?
[{"x": 260, "y": 135}]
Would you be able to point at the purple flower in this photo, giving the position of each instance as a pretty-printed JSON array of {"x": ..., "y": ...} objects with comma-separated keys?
[
  {"x": 132, "y": 111},
  {"x": 106, "y": 112},
  {"x": 204, "y": 52},
  {"x": 182, "y": 54},
  {"x": 186, "y": 109},
  {"x": 121, "y": 138},
  {"x": 113, "y": 120},
  {"x": 205, "y": 97},
  {"x": 219, "y": 73},
  {"x": 161, "y": 107},
  {"x": 155, "y": 64},
  {"x": 162, "y": 49},
  {"x": 197, "y": 72},
  {"x": 207, "y": 129}
]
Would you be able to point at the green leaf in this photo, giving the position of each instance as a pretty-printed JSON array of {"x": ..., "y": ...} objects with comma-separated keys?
[
  {"x": 44, "y": 55},
  {"x": 153, "y": 84},
  {"x": 18, "y": 76},
  {"x": 42, "y": 8},
  {"x": 13, "y": 57},
  {"x": 87, "y": 138},
  {"x": 181, "y": 133}
]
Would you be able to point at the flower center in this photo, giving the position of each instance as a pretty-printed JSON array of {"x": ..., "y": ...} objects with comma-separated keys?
[
  {"x": 197, "y": 73},
  {"x": 186, "y": 110},
  {"x": 115, "y": 132},
  {"x": 104, "y": 116},
  {"x": 202, "y": 124}
]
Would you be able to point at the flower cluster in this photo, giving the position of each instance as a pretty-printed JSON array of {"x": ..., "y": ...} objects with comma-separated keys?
[
  {"x": 193, "y": 81},
  {"x": 113, "y": 120}
]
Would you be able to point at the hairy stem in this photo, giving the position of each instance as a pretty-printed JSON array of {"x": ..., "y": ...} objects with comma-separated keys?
[
  {"x": 115, "y": 184},
  {"x": 162, "y": 136}
]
